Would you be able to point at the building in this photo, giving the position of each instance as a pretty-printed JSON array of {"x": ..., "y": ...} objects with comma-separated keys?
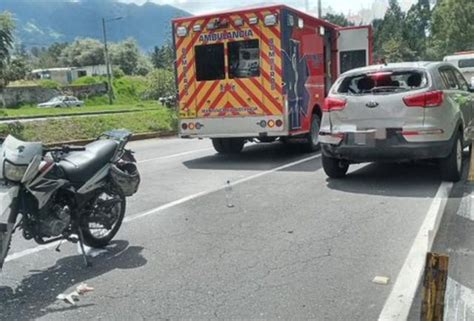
[{"x": 67, "y": 75}]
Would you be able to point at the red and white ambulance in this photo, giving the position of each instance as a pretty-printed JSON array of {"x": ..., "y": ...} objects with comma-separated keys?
[{"x": 260, "y": 73}]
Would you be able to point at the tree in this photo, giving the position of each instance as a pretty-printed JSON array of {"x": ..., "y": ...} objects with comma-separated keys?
[
  {"x": 144, "y": 66},
  {"x": 6, "y": 44},
  {"x": 160, "y": 83},
  {"x": 416, "y": 27},
  {"x": 125, "y": 55},
  {"x": 389, "y": 39},
  {"x": 163, "y": 57},
  {"x": 82, "y": 52},
  {"x": 452, "y": 27},
  {"x": 17, "y": 69},
  {"x": 338, "y": 19},
  {"x": 6, "y": 38}
]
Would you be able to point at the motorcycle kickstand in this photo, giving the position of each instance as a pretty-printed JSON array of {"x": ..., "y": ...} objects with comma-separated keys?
[{"x": 81, "y": 244}]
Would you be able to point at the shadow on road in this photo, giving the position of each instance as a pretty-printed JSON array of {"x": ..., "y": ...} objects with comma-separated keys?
[
  {"x": 35, "y": 296},
  {"x": 257, "y": 157},
  {"x": 391, "y": 179}
]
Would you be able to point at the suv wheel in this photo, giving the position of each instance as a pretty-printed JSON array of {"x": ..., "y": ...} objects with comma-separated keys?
[
  {"x": 334, "y": 168},
  {"x": 451, "y": 166}
]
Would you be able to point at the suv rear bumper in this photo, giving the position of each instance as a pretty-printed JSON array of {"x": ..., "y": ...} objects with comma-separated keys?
[{"x": 394, "y": 148}]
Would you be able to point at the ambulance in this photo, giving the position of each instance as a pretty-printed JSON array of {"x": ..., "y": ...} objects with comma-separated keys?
[{"x": 260, "y": 74}]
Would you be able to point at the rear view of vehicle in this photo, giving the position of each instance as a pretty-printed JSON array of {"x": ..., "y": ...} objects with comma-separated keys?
[
  {"x": 398, "y": 112},
  {"x": 260, "y": 74},
  {"x": 465, "y": 62}
]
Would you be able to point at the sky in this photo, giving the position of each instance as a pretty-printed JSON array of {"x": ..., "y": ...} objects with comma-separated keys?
[{"x": 203, "y": 6}]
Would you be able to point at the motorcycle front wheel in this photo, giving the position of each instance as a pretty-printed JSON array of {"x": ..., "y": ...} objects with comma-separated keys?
[{"x": 105, "y": 218}]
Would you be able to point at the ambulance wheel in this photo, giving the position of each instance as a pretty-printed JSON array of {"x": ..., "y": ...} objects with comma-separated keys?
[
  {"x": 312, "y": 139},
  {"x": 228, "y": 145}
]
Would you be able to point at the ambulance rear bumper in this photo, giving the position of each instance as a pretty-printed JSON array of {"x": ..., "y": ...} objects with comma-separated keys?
[{"x": 249, "y": 126}]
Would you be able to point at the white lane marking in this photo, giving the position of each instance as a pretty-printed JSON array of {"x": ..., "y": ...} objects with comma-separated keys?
[
  {"x": 401, "y": 297},
  {"x": 459, "y": 301},
  {"x": 203, "y": 193},
  {"x": 174, "y": 155},
  {"x": 18, "y": 255}
]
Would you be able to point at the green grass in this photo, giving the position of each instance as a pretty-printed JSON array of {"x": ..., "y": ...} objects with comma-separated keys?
[
  {"x": 128, "y": 92},
  {"x": 97, "y": 104},
  {"x": 58, "y": 130}
]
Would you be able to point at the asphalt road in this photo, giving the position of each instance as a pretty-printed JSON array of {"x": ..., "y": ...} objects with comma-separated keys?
[{"x": 295, "y": 245}]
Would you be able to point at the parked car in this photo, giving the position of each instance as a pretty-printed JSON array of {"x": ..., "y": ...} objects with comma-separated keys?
[
  {"x": 168, "y": 101},
  {"x": 397, "y": 112},
  {"x": 62, "y": 101}
]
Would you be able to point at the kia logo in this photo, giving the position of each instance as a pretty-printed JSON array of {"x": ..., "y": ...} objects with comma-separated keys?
[{"x": 372, "y": 104}]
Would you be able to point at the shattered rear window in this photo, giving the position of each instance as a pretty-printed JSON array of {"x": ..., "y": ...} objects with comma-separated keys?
[{"x": 382, "y": 82}]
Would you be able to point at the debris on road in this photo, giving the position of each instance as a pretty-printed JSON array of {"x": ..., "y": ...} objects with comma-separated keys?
[
  {"x": 72, "y": 297},
  {"x": 382, "y": 280},
  {"x": 228, "y": 195}
]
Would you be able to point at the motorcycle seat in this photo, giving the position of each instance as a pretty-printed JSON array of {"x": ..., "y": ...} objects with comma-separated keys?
[{"x": 81, "y": 166}]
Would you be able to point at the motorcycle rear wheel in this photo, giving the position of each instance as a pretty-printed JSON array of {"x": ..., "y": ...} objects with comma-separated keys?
[{"x": 117, "y": 213}]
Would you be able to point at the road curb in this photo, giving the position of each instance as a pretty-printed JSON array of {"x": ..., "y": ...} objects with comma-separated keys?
[{"x": 139, "y": 136}]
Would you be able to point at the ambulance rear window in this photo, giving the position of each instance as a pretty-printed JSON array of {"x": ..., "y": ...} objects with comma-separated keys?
[
  {"x": 210, "y": 63},
  {"x": 244, "y": 59}
]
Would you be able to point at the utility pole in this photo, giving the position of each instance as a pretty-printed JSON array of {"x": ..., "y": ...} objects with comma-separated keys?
[
  {"x": 320, "y": 9},
  {"x": 110, "y": 90}
]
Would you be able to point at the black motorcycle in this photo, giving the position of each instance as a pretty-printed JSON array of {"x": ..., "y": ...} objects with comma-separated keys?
[{"x": 74, "y": 193}]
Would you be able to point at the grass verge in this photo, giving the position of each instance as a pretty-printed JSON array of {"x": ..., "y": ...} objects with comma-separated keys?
[
  {"x": 30, "y": 111},
  {"x": 89, "y": 127}
]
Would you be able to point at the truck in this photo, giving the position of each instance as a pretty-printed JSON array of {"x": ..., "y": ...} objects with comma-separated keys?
[
  {"x": 260, "y": 74},
  {"x": 464, "y": 60}
]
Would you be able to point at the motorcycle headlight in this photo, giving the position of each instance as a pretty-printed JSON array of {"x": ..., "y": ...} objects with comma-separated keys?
[{"x": 13, "y": 172}]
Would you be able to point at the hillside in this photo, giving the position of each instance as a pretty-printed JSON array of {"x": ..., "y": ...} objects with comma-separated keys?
[{"x": 40, "y": 23}]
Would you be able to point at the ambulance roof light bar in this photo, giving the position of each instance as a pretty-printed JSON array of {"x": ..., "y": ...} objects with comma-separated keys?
[
  {"x": 197, "y": 28},
  {"x": 239, "y": 22},
  {"x": 270, "y": 20},
  {"x": 181, "y": 31},
  {"x": 253, "y": 20}
]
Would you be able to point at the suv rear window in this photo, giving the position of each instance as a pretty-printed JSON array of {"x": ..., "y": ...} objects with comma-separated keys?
[{"x": 382, "y": 82}]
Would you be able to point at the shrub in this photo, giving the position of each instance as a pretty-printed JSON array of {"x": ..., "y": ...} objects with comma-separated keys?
[{"x": 51, "y": 84}]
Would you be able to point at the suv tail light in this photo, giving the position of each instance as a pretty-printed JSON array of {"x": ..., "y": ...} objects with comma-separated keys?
[
  {"x": 429, "y": 99},
  {"x": 331, "y": 104}
]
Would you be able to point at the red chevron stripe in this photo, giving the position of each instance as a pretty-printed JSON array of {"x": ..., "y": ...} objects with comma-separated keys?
[
  {"x": 253, "y": 97},
  {"x": 190, "y": 65},
  {"x": 241, "y": 101},
  {"x": 264, "y": 38},
  {"x": 267, "y": 59},
  {"x": 191, "y": 43},
  {"x": 270, "y": 97},
  {"x": 273, "y": 29},
  {"x": 193, "y": 95},
  {"x": 269, "y": 79},
  {"x": 208, "y": 93},
  {"x": 215, "y": 102}
]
